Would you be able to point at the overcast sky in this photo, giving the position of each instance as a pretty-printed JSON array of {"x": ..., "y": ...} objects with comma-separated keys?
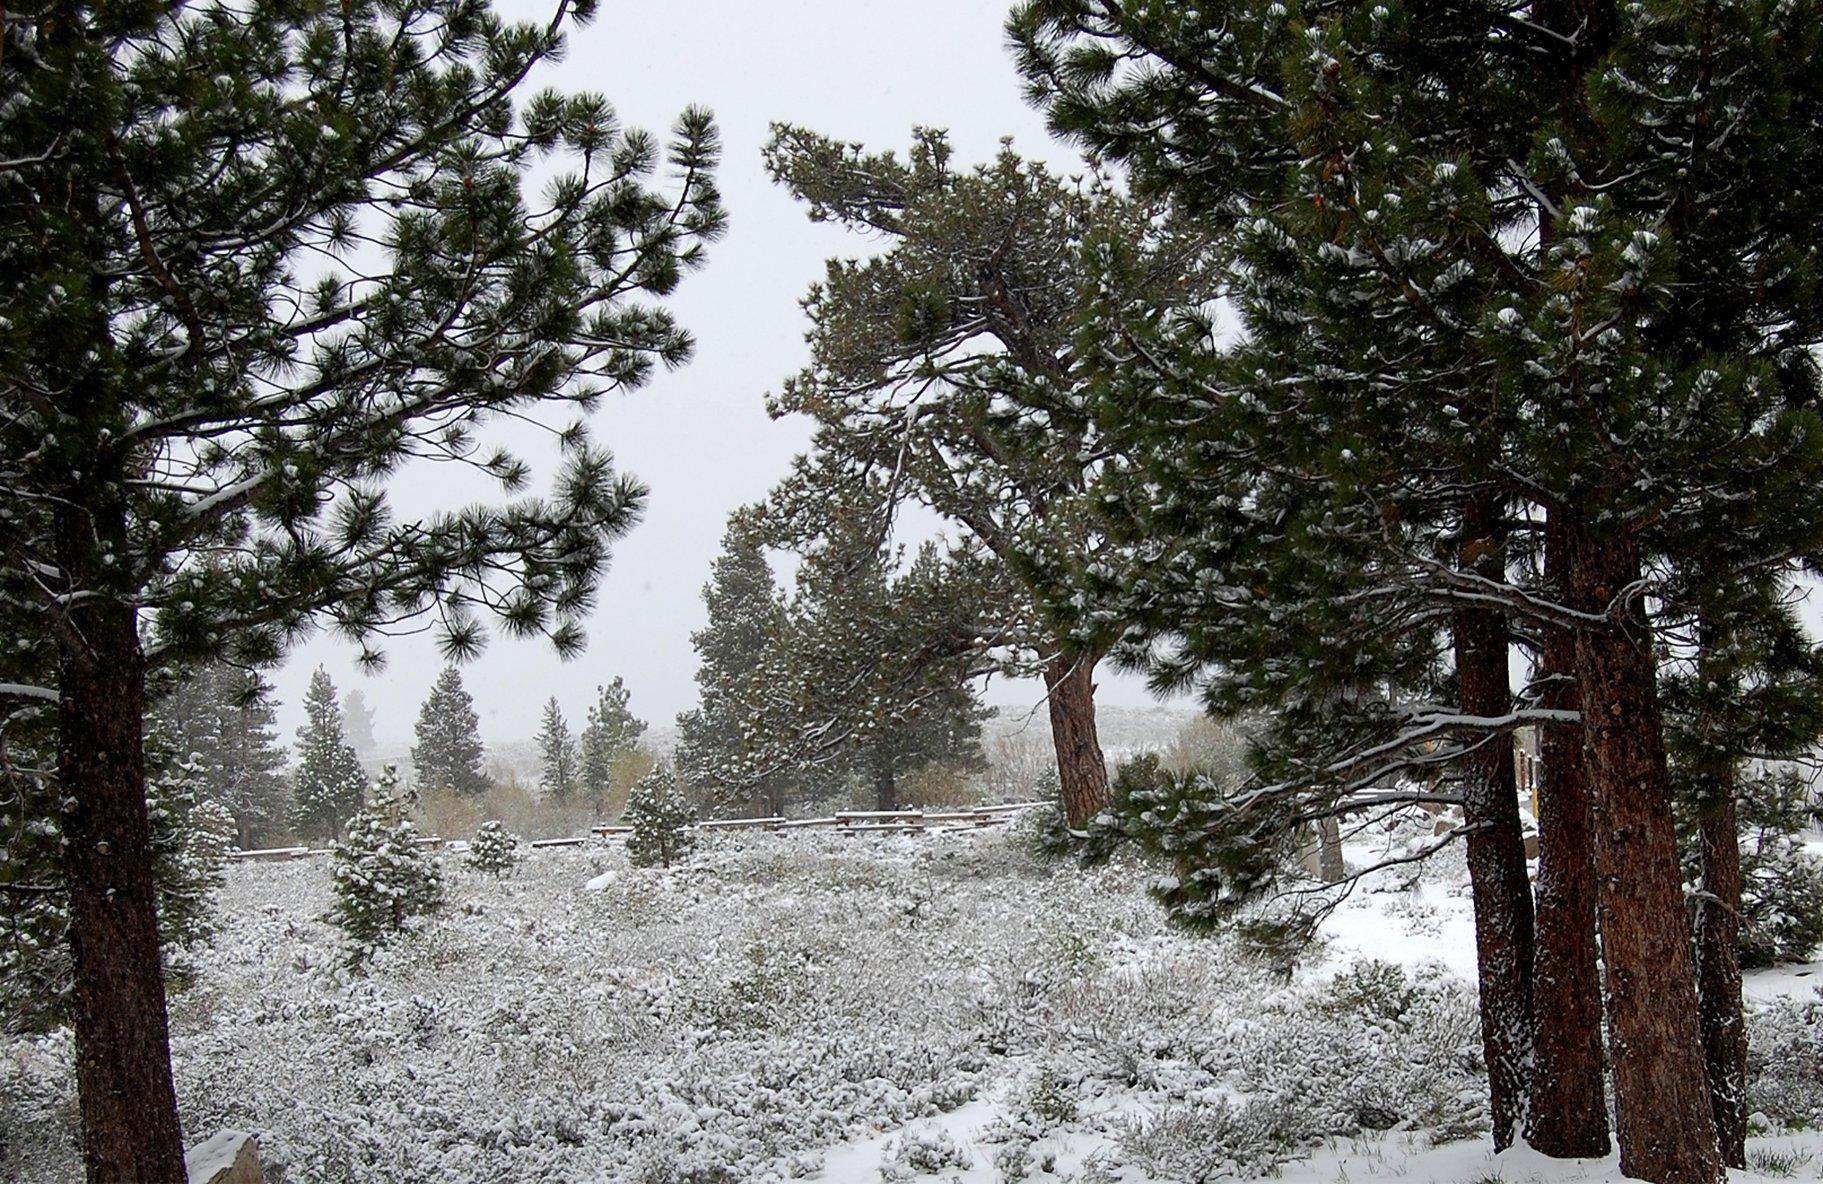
[{"x": 700, "y": 437}]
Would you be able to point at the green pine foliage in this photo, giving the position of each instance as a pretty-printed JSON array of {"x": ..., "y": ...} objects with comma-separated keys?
[
  {"x": 221, "y": 720},
  {"x": 746, "y": 612},
  {"x": 559, "y": 761},
  {"x": 661, "y": 818},
  {"x": 448, "y": 754},
  {"x": 191, "y": 838},
  {"x": 328, "y": 785},
  {"x": 494, "y": 850},
  {"x": 1781, "y": 879},
  {"x": 380, "y": 875},
  {"x": 610, "y": 736}
]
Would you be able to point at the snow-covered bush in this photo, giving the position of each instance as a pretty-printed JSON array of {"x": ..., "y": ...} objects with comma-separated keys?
[
  {"x": 382, "y": 878},
  {"x": 1785, "y": 1062},
  {"x": 920, "y": 1151},
  {"x": 661, "y": 818},
  {"x": 493, "y": 850}
]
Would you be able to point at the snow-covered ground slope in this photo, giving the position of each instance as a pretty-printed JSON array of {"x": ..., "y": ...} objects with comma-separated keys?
[{"x": 847, "y": 1009}]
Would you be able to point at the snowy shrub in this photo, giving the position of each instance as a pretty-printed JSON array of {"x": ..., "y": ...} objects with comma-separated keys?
[
  {"x": 1214, "y": 1140},
  {"x": 920, "y": 1151},
  {"x": 1785, "y": 1062},
  {"x": 493, "y": 850},
  {"x": 382, "y": 877},
  {"x": 661, "y": 818}
]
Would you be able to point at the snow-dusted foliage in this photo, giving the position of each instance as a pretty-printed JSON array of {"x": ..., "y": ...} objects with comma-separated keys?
[
  {"x": 494, "y": 850},
  {"x": 755, "y": 1014},
  {"x": 382, "y": 876},
  {"x": 660, "y": 816}
]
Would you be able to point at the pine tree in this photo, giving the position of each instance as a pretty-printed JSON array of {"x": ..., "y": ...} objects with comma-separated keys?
[
  {"x": 970, "y": 316},
  {"x": 494, "y": 850},
  {"x": 447, "y": 757},
  {"x": 328, "y": 786},
  {"x": 380, "y": 874},
  {"x": 221, "y": 720},
  {"x": 559, "y": 763},
  {"x": 611, "y": 735},
  {"x": 358, "y": 717},
  {"x": 745, "y": 614},
  {"x": 661, "y": 818},
  {"x": 1497, "y": 292},
  {"x": 249, "y": 267}
]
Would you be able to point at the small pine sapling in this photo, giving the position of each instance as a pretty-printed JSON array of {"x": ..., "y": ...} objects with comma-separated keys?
[
  {"x": 494, "y": 850},
  {"x": 381, "y": 876},
  {"x": 661, "y": 818}
]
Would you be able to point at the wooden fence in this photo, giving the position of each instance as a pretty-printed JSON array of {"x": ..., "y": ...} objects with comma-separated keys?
[{"x": 848, "y": 822}]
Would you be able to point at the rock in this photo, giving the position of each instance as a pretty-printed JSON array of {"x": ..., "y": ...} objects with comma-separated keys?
[{"x": 231, "y": 1157}]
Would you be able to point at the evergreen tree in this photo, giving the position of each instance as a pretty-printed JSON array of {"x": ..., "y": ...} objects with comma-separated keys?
[
  {"x": 328, "y": 786},
  {"x": 251, "y": 262},
  {"x": 661, "y": 818},
  {"x": 358, "y": 717},
  {"x": 1504, "y": 300},
  {"x": 745, "y": 614},
  {"x": 447, "y": 757},
  {"x": 611, "y": 735},
  {"x": 494, "y": 850},
  {"x": 944, "y": 372},
  {"x": 221, "y": 720},
  {"x": 559, "y": 763},
  {"x": 380, "y": 875}
]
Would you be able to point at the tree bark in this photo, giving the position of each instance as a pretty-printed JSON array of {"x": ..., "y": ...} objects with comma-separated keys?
[
  {"x": 1718, "y": 978},
  {"x": 1082, "y": 771},
  {"x": 1663, "y": 1113},
  {"x": 1497, "y": 872},
  {"x": 1568, "y": 1116},
  {"x": 130, "y": 1128},
  {"x": 886, "y": 787},
  {"x": 1329, "y": 851},
  {"x": 1496, "y": 844}
]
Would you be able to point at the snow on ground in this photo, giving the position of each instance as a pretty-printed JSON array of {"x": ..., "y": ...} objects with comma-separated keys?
[{"x": 821, "y": 1007}]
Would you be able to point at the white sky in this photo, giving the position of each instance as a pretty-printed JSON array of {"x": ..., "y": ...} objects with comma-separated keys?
[{"x": 700, "y": 437}]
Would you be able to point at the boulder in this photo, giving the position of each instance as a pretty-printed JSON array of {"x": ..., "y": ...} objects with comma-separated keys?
[{"x": 231, "y": 1157}]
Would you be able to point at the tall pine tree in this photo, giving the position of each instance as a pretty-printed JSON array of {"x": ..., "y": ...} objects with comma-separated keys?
[
  {"x": 611, "y": 735},
  {"x": 328, "y": 786},
  {"x": 944, "y": 373},
  {"x": 447, "y": 756},
  {"x": 1511, "y": 278},
  {"x": 252, "y": 261},
  {"x": 221, "y": 720},
  {"x": 558, "y": 760}
]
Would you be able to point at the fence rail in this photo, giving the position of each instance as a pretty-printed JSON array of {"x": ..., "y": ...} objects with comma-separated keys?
[{"x": 848, "y": 822}]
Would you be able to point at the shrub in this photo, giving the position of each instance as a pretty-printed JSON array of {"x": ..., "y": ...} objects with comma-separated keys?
[
  {"x": 381, "y": 876},
  {"x": 493, "y": 849},
  {"x": 661, "y": 818}
]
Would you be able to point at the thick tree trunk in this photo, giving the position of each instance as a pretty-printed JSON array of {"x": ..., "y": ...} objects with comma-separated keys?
[
  {"x": 1497, "y": 872},
  {"x": 1329, "y": 851},
  {"x": 1082, "y": 772},
  {"x": 1496, "y": 843},
  {"x": 1718, "y": 978},
  {"x": 1568, "y": 1116},
  {"x": 123, "y": 1064},
  {"x": 1663, "y": 1114},
  {"x": 886, "y": 787}
]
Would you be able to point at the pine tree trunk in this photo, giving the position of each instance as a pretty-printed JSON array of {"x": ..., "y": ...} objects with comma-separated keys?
[
  {"x": 1329, "y": 851},
  {"x": 1718, "y": 977},
  {"x": 1568, "y": 1116},
  {"x": 1496, "y": 843},
  {"x": 130, "y": 1130},
  {"x": 1082, "y": 772},
  {"x": 886, "y": 787},
  {"x": 1663, "y": 1114},
  {"x": 1497, "y": 872}
]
